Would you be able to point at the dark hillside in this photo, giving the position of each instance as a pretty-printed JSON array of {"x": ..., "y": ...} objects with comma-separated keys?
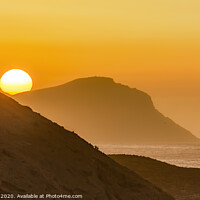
[
  {"x": 38, "y": 156},
  {"x": 182, "y": 183}
]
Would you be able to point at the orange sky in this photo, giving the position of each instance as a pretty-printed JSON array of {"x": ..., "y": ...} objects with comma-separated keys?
[{"x": 153, "y": 45}]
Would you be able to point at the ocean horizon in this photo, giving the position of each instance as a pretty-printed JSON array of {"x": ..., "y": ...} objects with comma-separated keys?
[{"x": 179, "y": 155}]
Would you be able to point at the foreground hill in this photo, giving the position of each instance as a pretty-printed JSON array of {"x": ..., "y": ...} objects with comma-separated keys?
[
  {"x": 182, "y": 183},
  {"x": 38, "y": 156},
  {"x": 105, "y": 112}
]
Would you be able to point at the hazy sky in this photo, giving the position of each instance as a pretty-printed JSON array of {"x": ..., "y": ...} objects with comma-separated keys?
[{"x": 153, "y": 45}]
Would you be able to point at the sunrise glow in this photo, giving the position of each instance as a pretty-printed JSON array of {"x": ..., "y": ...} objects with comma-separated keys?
[{"x": 16, "y": 81}]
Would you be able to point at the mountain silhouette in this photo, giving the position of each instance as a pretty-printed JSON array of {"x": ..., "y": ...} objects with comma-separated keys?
[
  {"x": 182, "y": 183},
  {"x": 105, "y": 112},
  {"x": 40, "y": 157}
]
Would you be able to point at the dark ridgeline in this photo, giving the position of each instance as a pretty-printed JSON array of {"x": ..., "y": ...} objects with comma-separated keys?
[
  {"x": 39, "y": 156},
  {"x": 105, "y": 112},
  {"x": 182, "y": 183}
]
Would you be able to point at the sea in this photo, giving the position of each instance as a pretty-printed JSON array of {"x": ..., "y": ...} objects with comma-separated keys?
[{"x": 179, "y": 155}]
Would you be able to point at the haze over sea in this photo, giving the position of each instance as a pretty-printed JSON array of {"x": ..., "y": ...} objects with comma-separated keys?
[{"x": 179, "y": 155}]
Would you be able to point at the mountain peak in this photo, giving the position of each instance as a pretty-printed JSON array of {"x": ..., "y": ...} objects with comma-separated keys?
[
  {"x": 102, "y": 79},
  {"x": 105, "y": 112},
  {"x": 94, "y": 80}
]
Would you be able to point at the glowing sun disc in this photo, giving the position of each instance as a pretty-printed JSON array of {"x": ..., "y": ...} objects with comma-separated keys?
[{"x": 16, "y": 81}]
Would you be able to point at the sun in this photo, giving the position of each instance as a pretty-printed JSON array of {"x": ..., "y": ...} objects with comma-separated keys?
[{"x": 16, "y": 81}]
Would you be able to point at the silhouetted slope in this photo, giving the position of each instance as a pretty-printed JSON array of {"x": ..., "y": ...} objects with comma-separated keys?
[
  {"x": 105, "y": 112},
  {"x": 38, "y": 156},
  {"x": 182, "y": 183}
]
